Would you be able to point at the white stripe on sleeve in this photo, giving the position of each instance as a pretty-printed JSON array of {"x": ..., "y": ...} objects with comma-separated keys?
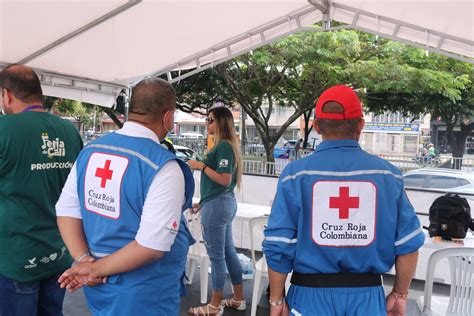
[
  {"x": 408, "y": 237},
  {"x": 282, "y": 239}
]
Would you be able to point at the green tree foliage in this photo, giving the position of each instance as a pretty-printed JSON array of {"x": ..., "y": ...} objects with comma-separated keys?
[
  {"x": 198, "y": 92},
  {"x": 413, "y": 82},
  {"x": 82, "y": 112},
  {"x": 322, "y": 60},
  {"x": 294, "y": 71},
  {"x": 289, "y": 73}
]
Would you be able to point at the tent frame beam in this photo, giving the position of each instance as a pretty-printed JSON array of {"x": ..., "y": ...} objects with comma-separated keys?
[
  {"x": 80, "y": 30},
  {"x": 442, "y": 37},
  {"x": 258, "y": 37},
  {"x": 325, "y": 7},
  {"x": 321, "y": 5},
  {"x": 293, "y": 22},
  {"x": 75, "y": 83}
]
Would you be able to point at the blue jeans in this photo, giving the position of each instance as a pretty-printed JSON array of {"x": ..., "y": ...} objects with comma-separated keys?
[
  {"x": 43, "y": 297},
  {"x": 216, "y": 219}
]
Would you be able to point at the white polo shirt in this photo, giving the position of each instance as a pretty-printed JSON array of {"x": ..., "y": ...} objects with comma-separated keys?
[{"x": 162, "y": 205}]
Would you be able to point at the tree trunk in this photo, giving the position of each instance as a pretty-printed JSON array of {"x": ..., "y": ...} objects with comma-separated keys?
[
  {"x": 243, "y": 132},
  {"x": 458, "y": 152},
  {"x": 307, "y": 128},
  {"x": 269, "y": 150},
  {"x": 270, "y": 164}
]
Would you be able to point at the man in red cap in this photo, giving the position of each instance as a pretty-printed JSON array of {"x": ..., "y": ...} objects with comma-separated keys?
[{"x": 340, "y": 219}]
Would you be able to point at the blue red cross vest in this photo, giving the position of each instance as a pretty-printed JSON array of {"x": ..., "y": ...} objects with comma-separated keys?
[
  {"x": 339, "y": 209},
  {"x": 114, "y": 175}
]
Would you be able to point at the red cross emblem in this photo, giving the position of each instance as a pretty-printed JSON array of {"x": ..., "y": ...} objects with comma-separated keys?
[
  {"x": 104, "y": 173},
  {"x": 175, "y": 225},
  {"x": 343, "y": 202}
]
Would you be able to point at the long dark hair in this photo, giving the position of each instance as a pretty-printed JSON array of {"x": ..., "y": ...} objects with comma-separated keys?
[{"x": 225, "y": 131}]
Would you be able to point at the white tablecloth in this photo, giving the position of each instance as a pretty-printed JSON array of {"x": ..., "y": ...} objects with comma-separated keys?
[
  {"x": 240, "y": 227},
  {"x": 437, "y": 243}
]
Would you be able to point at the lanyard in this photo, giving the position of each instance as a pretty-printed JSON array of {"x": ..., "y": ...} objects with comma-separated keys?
[{"x": 32, "y": 107}]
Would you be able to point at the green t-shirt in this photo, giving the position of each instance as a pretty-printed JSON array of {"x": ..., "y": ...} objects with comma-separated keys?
[
  {"x": 37, "y": 151},
  {"x": 432, "y": 151},
  {"x": 221, "y": 159}
]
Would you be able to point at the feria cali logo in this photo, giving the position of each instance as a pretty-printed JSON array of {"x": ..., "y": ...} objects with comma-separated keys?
[{"x": 52, "y": 148}]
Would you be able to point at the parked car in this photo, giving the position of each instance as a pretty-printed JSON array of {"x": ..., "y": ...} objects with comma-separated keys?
[
  {"x": 185, "y": 153},
  {"x": 284, "y": 151},
  {"x": 440, "y": 179},
  {"x": 252, "y": 148}
]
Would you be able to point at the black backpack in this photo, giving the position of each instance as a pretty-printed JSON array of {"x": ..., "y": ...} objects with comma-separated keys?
[{"x": 450, "y": 217}]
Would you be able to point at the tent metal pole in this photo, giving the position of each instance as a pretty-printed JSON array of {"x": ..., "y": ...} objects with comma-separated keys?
[
  {"x": 80, "y": 30},
  {"x": 321, "y": 5},
  {"x": 325, "y": 7},
  {"x": 128, "y": 94}
]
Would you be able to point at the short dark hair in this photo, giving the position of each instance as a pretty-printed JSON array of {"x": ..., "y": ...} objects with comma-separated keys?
[
  {"x": 153, "y": 96},
  {"x": 22, "y": 81},
  {"x": 339, "y": 128}
]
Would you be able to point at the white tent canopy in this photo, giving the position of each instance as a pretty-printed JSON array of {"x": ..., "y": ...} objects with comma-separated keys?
[{"x": 90, "y": 50}]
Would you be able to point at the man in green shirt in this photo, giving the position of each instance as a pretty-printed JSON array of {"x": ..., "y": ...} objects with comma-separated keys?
[{"x": 37, "y": 151}]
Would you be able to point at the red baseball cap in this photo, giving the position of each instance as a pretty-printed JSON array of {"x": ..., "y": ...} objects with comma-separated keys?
[{"x": 343, "y": 95}]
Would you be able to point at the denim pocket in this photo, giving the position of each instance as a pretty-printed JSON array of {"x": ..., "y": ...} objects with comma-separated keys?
[
  {"x": 189, "y": 236},
  {"x": 26, "y": 288}
]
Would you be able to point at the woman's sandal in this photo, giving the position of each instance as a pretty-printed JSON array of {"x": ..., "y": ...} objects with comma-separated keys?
[
  {"x": 206, "y": 310},
  {"x": 238, "y": 305}
]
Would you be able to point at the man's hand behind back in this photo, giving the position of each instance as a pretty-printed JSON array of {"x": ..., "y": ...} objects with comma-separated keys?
[
  {"x": 396, "y": 306},
  {"x": 79, "y": 275},
  {"x": 280, "y": 310}
]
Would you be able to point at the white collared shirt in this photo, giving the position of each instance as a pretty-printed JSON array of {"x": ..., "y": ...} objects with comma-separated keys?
[{"x": 162, "y": 204}]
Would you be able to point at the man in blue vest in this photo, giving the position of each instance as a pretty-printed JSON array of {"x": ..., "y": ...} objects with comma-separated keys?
[
  {"x": 339, "y": 220},
  {"x": 120, "y": 213}
]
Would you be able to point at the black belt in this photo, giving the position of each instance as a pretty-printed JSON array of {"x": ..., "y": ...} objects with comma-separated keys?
[{"x": 342, "y": 279}]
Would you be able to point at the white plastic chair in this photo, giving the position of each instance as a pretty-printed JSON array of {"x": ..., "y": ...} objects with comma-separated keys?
[
  {"x": 257, "y": 225},
  {"x": 460, "y": 300},
  {"x": 197, "y": 255}
]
